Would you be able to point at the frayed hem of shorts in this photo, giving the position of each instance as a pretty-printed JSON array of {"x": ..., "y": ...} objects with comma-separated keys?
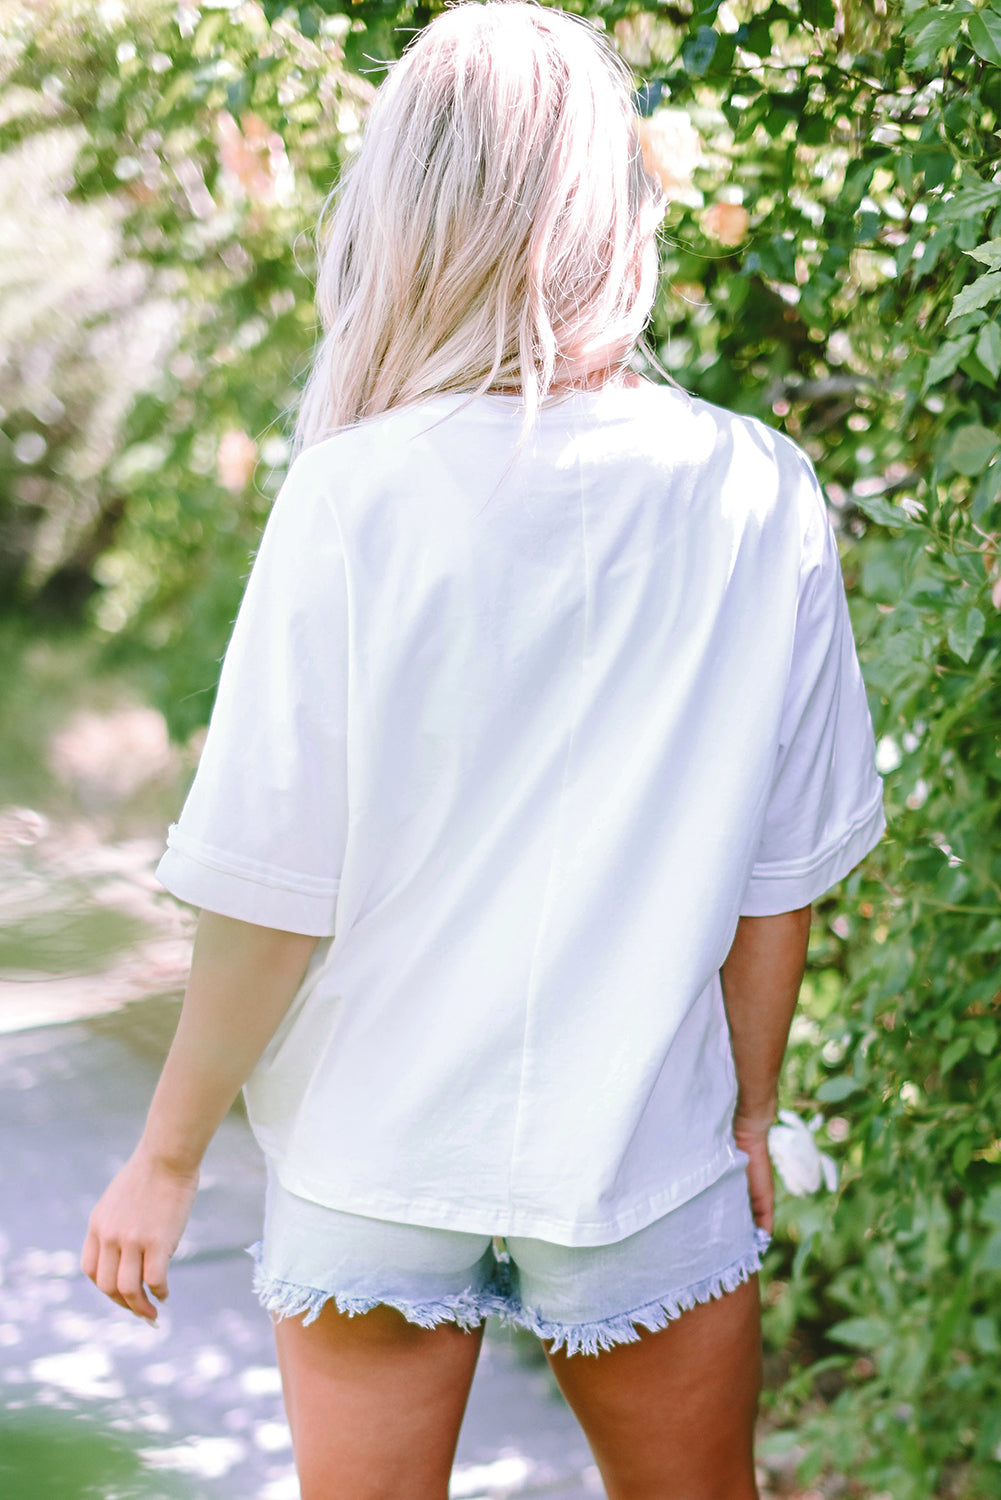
[
  {"x": 592, "y": 1338},
  {"x": 286, "y": 1299}
]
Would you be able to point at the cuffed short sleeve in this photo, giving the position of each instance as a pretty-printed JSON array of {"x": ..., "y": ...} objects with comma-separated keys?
[
  {"x": 261, "y": 834},
  {"x": 825, "y": 807}
]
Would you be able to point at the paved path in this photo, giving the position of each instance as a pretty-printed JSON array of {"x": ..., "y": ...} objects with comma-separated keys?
[{"x": 191, "y": 1409}]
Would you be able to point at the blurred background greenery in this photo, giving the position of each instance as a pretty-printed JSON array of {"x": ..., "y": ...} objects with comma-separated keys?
[
  {"x": 832, "y": 264},
  {"x": 62, "y": 1456}
]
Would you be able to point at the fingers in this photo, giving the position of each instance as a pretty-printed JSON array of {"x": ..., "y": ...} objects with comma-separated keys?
[
  {"x": 106, "y": 1275},
  {"x": 753, "y": 1141},
  {"x": 155, "y": 1273},
  {"x": 761, "y": 1185},
  {"x": 89, "y": 1255},
  {"x": 763, "y": 1212},
  {"x": 118, "y": 1272},
  {"x": 130, "y": 1283}
]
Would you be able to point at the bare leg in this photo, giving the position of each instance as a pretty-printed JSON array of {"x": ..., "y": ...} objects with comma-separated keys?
[
  {"x": 672, "y": 1416},
  {"x": 374, "y": 1403}
]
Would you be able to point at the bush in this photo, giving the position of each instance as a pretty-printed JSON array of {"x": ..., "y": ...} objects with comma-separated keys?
[{"x": 857, "y": 300}]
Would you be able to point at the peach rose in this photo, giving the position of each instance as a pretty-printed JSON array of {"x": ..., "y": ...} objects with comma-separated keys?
[
  {"x": 726, "y": 222},
  {"x": 236, "y": 459},
  {"x": 671, "y": 149},
  {"x": 252, "y": 154}
]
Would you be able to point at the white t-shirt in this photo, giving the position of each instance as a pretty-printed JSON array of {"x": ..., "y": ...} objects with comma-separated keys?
[{"x": 521, "y": 759}]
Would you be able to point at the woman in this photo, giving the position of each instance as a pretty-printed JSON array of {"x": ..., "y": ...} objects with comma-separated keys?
[{"x": 540, "y": 728}]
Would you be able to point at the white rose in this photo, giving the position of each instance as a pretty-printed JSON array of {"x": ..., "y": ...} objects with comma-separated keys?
[{"x": 797, "y": 1160}]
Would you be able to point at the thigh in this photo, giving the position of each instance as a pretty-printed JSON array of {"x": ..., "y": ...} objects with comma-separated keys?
[
  {"x": 374, "y": 1402},
  {"x": 671, "y": 1416},
  {"x": 376, "y": 1373}
]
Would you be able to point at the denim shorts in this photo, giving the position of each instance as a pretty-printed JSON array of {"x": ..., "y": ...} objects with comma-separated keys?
[{"x": 583, "y": 1298}]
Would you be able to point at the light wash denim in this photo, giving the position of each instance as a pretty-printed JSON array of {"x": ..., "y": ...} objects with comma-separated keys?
[{"x": 583, "y": 1298}]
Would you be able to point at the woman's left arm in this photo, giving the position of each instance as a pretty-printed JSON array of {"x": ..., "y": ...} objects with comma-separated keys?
[{"x": 243, "y": 979}]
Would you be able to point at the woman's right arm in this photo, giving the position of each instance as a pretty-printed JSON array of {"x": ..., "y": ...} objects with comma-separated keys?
[
  {"x": 243, "y": 979},
  {"x": 761, "y": 979}
]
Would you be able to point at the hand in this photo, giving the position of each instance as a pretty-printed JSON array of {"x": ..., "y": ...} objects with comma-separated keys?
[
  {"x": 135, "y": 1229},
  {"x": 752, "y": 1139}
]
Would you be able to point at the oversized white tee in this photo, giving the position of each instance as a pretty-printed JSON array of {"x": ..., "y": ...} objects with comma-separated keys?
[{"x": 520, "y": 749}]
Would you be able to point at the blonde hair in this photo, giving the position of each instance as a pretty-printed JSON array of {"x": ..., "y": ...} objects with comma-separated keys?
[{"x": 497, "y": 226}]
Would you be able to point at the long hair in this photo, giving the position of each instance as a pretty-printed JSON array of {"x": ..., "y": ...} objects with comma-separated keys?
[{"x": 496, "y": 227}]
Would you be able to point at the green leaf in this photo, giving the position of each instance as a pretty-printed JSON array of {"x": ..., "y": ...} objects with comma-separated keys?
[
  {"x": 945, "y": 361},
  {"x": 989, "y": 1258},
  {"x": 969, "y": 566},
  {"x": 934, "y": 162},
  {"x": 942, "y": 30},
  {"x": 833, "y": 1090},
  {"x": 990, "y": 1207},
  {"x": 971, "y": 366},
  {"x": 803, "y": 1254},
  {"x": 884, "y": 570},
  {"x": 954, "y": 1310},
  {"x": 985, "y": 1335},
  {"x": 967, "y": 203},
  {"x": 916, "y": 15},
  {"x": 818, "y": 13},
  {"x": 988, "y": 349},
  {"x": 964, "y": 635},
  {"x": 972, "y": 448},
  {"x": 989, "y": 253},
  {"x": 784, "y": 1440},
  {"x": 856, "y": 184},
  {"x": 987, "y": 492},
  {"x": 238, "y": 95},
  {"x": 984, "y": 31},
  {"x": 989, "y": 940},
  {"x": 648, "y": 96},
  {"x": 880, "y": 510},
  {"x": 756, "y": 36},
  {"x": 698, "y": 50},
  {"x": 985, "y": 289},
  {"x": 867, "y": 228},
  {"x": 957, "y": 1048},
  {"x": 861, "y": 1333},
  {"x": 986, "y": 1039}
]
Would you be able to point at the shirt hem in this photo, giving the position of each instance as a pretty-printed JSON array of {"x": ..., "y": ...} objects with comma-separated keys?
[
  {"x": 522, "y": 1221},
  {"x": 244, "y": 898},
  {"x": 228, "y": 863},
  {"x": 796, "y": 883}
]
